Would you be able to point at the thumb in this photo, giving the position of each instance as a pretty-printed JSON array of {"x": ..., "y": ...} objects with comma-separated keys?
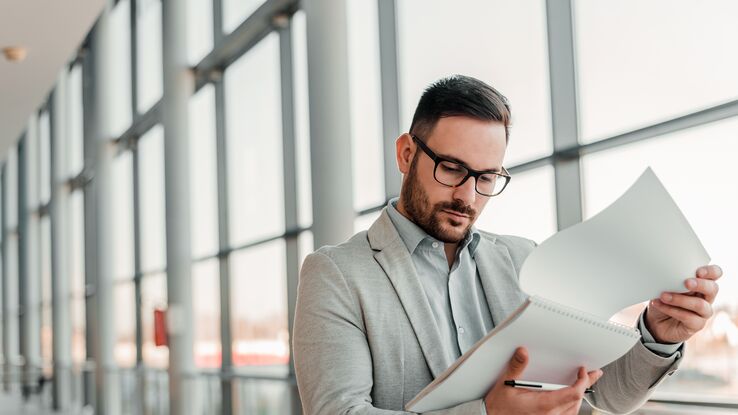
[{"x": 517, "y": 364}]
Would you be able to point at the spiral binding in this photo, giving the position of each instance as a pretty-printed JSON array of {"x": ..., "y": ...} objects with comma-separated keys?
[{"x": 583, "y": 316}]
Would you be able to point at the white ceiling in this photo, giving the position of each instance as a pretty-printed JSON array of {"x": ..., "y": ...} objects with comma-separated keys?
[{"x": 52, "y": 30}]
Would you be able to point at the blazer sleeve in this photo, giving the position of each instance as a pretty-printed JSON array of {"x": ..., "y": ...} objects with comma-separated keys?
[
  {"x": 628, "y": 382},
  {"x": 333, "y": 363}
]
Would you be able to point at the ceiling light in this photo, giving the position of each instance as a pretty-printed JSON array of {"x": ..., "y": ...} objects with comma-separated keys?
[{"x": 15, "y": 53}]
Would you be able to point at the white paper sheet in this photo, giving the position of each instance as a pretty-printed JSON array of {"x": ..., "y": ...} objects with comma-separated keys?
[{"x": 638, "y": 247}]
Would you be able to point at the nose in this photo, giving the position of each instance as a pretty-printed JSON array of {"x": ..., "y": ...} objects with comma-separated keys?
[{"x": 466, "y": 192}]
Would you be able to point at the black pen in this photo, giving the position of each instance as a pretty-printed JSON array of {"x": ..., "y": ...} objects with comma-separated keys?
[{"x": 539, "y": 386}]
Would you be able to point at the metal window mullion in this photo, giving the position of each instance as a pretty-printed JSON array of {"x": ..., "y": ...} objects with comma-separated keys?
[
  {"x": 22, "y": 254},
  {"x": 90, "y": 121},
  {"x": 223, "y": 245},
  {"x": 137, "y": 277},
  {"x": 564, "y": 116},
  {"x": 389, "y": 75},
  {"x": 6, "y": 315},
  {"x": 291, "y": 203},
  {"x": 134, "y": 60}
]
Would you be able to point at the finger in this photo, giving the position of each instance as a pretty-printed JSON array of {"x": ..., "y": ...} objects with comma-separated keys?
[
  {"x": 708, "y": 288},
  {"x": 710, "y": 272},
  {"x": 516, "y": 365},
  {"x": 690, "y": 320},
  {"x": 697, "y": 305},
  {"x": 594, "y": 376}
]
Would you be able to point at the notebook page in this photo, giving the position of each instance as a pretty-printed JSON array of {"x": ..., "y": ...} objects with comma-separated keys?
[{"x": 636, "y": 248}]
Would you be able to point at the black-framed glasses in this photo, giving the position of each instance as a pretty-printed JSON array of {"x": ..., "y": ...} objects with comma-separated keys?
[{"x": 453, "y": 174}]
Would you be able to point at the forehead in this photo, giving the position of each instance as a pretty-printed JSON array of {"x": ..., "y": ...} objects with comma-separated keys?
[{"x": 478, "y": 144}]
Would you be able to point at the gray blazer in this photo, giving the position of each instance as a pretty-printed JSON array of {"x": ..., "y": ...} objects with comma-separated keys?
[{"x": 365, "y": 337}]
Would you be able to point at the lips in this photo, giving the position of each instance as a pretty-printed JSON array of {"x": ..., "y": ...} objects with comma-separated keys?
[{"x": 456, "y": 214}]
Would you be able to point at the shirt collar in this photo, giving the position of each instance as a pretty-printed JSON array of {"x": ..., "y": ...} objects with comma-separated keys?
[{"x": 412, "y": 235}]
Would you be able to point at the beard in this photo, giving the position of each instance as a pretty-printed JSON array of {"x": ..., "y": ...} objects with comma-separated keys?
[{"x": 417, "y": 205}]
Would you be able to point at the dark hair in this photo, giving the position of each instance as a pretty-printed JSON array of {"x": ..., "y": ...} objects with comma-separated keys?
[{"x": 459, "y": 95}]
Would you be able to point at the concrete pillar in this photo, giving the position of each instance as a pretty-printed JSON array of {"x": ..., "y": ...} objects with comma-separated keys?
[
  {"x": 178, "y": 87},
  {"x": 61, "y": 316},
  {"x": 330, "y": 120},
  {"x": 101, "y": 325}
]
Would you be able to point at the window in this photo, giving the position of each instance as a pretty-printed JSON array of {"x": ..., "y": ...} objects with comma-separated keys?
[
  {"x": 366, "y": 104},
  {"x": 206, "y": 312},
  {"x": 75, "y": 119},
  {"x": 153, "y": 297},
  {"x": 124, "y": 349},
  {"x": 254, "y": 142},
  {"x": 499, "y": 42},
  {"x": 708, "y": 198},
  {"x": 76, "y": 263},
  {"x": 122, "y": 212},
  {"x": 149, "y": 53},
  {"x": 302, "y": 120},
  {"x": 151, "y": 199},
  {"x": 199, "y": 29},
  {"x": 643, "y": 62},
  {"x": 259, "y": 308},
  {"x": 44, "y": 157},
  {"x": 236, "y": 11},
  {"x": 526, "y": 208},
  {"x": 118, "y": 55},
  {"x": 203, "y": 173}
]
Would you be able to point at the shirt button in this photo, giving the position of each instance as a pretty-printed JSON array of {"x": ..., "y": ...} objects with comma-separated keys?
[
  {"x": 461, "y": 330},
  {"x": 435, "y": 244}
]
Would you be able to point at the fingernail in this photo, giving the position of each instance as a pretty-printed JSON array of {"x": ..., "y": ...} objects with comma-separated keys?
[
  {"x": 691, "y": 283},
  {"x": 666, "y": 297},
  {"x": 701, "y": 272}
]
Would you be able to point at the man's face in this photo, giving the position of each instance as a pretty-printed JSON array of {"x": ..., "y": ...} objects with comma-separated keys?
[{"x": 447, "y": 213}]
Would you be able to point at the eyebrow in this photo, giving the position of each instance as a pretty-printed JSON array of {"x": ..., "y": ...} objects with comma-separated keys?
[{"x": 457, "y": 161}]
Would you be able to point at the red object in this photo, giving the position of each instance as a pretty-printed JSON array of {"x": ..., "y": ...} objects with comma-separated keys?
[{"x": 160, "y": 327}]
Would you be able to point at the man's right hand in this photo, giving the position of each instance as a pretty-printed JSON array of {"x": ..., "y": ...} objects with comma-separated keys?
[{"x": 502, "y": 399}]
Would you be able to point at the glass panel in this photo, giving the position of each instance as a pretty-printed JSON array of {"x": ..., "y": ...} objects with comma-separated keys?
[
  {"x": 76, "y": 244},
  {"x": 508, "y": 40},
  {"x": 259, "y": 308},
  {"x": 261, "y": 397},
  {"x": 153, "y": 297},
  {"x": 149, "y": 51},
  {"x": 11, "y": 188},
  {"x": 79, "y": 324},
  {"x": 206, "y": 313},
  {"x": 75, "y": 122},
  {"x": 236, "y": 11},
  {"x": 254, "y": 124},
  {"x": 302, "y": 120},
  {"x": 709, "y": 199},
  {"x": 203, "y": 173},
  {"x": 46, "y": 340},
  {"x": 44, "y": 157},
  {"x": 44, "y": 265},
  {"x": 30, "y": 162},
  {"x": 526, "y": 208},
  {"x": 151, "y": 199},
  {"x": 122, "y": 212},
  {"x": 366, "y": 104},
  {"x": 667, "y": 59},
  {"x": 364, "y": 222},
  {"x": 119, "y": 63},
  {"x": 199, "y": 29},
  {"x": 124, "y": 350}
]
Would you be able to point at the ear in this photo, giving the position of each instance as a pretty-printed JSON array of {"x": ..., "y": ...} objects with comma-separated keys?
[{"x": 405, "y": 151}]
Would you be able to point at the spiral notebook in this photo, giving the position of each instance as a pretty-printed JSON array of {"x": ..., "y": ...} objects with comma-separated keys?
[{"x": 638, "y": 247}]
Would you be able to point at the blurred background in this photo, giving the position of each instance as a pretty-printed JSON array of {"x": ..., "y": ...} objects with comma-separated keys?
[{"x": 166, "y": 165}]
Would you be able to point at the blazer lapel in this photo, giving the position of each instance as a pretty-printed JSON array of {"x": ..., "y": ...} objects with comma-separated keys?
[
  {"x": 499, "y": 279},
  {"x": 394, "y": 258}
]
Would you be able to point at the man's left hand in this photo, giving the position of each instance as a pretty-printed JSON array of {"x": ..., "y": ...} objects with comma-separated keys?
[{"x": 675, "y": 317}]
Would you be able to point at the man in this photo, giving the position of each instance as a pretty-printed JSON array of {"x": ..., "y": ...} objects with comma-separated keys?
[{"x": 379, "y": 316}]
